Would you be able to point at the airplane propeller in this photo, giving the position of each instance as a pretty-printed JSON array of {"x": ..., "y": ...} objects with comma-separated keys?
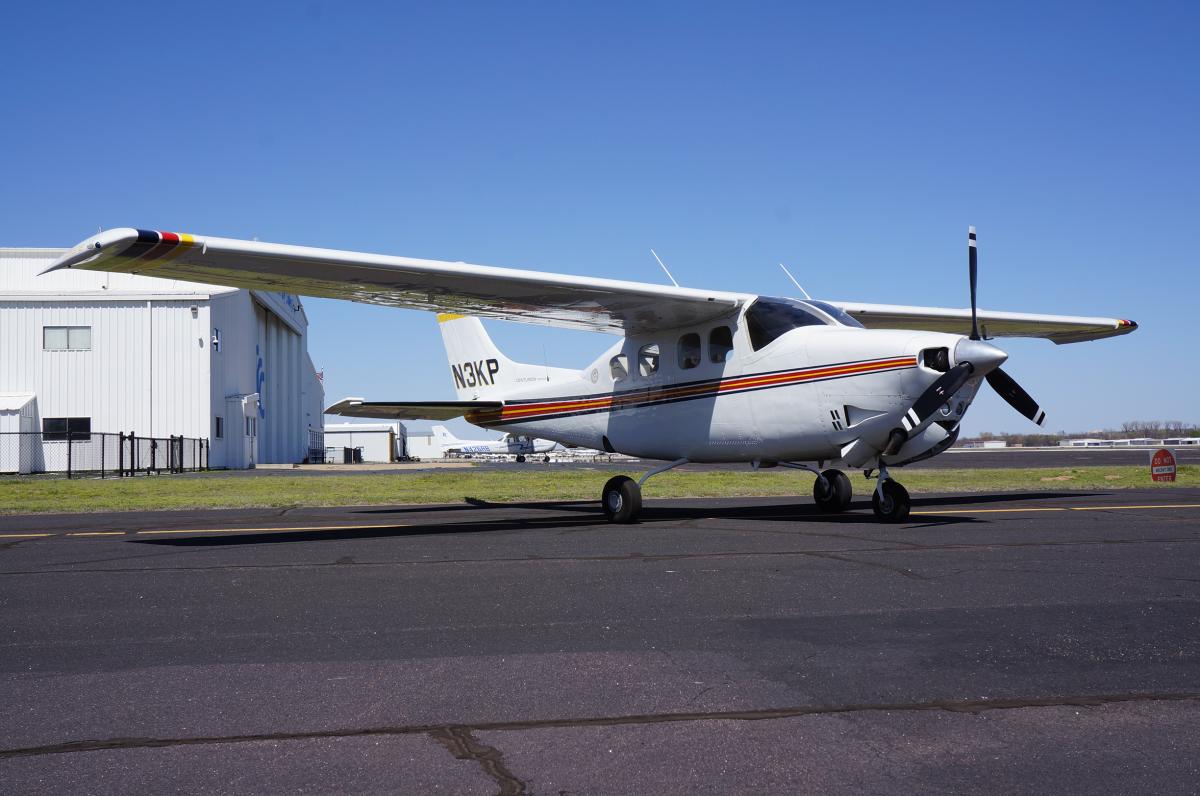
[{"x": 972, "y": 355}]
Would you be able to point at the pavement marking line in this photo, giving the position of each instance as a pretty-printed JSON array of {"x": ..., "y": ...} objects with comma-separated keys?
[
  {"x": 23, "y": 535},
  {"x": 1060, "y": 508},
  {"x": 97, "y": 533},
  {"x": 1162, "y": 506},
  {"x": 985, "y": 511},
  {"x": 282, "y": 530}
]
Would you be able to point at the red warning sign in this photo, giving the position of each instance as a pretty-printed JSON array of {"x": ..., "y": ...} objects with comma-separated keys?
[{"x": 1162, "y": 465}]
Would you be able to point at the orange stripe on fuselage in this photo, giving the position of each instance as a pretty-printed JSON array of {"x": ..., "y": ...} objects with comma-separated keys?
[{"x": 527, "y": 411}]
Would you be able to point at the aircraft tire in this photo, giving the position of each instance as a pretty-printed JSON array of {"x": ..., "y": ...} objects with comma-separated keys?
[
  {"x": 836, "y": 498},
  {"x": 621, "y": 499},
  {"x": 545, "y": 460},
  {"x": 520, "y": 459},
  {"x": 895, "y": 504}
]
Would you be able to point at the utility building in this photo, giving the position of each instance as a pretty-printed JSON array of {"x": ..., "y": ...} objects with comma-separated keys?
[
  {"x": 86, "y": 352},
  {"x": 378, "y": 442}
]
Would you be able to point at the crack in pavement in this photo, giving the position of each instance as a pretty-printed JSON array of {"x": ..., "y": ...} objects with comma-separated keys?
[
  {"x": 645, "y": 557},
  {"x": 908, "y": 573},
  {"x": 465, "y": 746},
  {"x": 460, "y": 736}
]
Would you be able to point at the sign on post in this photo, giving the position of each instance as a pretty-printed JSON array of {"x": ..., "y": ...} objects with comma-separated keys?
[{"x": 1162, "y": 465}]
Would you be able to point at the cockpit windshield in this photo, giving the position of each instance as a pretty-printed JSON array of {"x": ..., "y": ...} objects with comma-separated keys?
[
  {"x": 769, "y": 318},
  {"x": 837, "y": 313}
]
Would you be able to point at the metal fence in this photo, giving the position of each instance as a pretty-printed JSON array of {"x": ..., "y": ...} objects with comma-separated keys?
[
  {"x": 99, "y": 454},
  {"x": 316, "y": 446}
]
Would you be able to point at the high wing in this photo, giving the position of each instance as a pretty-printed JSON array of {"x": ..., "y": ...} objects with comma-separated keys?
[
  {"x": 415, "y": 410},
  {"x": 603, "y": 305},
  {"x": 1056, "y": 328}
]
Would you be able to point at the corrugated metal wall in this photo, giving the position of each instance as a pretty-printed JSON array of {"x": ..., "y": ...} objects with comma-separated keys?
[
  {"x": 151, "y": 367},
  {"x": 146, "y": 370}
]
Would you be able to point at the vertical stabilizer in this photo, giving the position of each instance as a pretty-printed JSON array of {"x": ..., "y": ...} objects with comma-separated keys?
[{"x": 479, "y": 370}]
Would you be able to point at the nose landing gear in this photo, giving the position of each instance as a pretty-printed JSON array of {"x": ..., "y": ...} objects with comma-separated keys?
[{"x": 890, "y": 500}]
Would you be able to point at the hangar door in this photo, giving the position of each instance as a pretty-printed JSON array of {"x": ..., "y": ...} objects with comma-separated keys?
[{"x": 280, "y": 356}]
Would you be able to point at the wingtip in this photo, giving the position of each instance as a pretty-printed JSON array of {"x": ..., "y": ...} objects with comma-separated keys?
[
  {"x": 91, "y": 247},
  {"x": 342, "y": 405}
]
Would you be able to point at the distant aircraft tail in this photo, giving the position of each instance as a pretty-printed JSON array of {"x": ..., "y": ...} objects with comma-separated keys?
[
  {"x": 443, "y": 435},
  {"x": 479, "y": 370}
]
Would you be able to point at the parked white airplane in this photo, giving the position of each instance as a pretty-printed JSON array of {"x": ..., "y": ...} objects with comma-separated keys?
[
  {"x": 518, "y": 445},
  {"x": 698, "y": 376}
]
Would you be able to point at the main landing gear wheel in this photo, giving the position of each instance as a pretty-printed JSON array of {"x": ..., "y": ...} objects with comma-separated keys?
[
  {"x": 621, "y": 499},
  {"x": 520, "y": 458},
  {"x": 894, "y": 505},
  {"x": 832, "y": 492}
]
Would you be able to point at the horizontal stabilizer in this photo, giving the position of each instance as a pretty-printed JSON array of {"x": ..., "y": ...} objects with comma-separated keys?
[{"x": 413, "y": 410}]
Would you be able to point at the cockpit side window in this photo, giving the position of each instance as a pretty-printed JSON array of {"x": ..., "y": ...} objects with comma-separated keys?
[{"x": 769, "y": 318}]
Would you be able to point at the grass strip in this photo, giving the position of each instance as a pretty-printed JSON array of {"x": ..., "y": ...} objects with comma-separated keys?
[{"x": 19, "y": 496}]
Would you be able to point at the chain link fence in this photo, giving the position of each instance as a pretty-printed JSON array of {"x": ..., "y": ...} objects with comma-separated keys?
[{"x": 98, "y": 454}]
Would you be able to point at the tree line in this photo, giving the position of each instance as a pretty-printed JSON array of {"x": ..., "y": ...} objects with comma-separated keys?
[{"x": 1153, "y": 429}]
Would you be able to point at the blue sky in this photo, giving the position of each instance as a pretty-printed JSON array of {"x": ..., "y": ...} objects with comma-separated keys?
[{"x": 854, "y": 142}]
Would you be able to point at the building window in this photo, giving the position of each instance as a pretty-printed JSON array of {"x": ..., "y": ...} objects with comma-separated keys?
[
  {"x": 219, "y": 432},
  {"x": 689, "y": 351},
  {"x": 648, "y": 359},
  {"x": 56, "y": 429},
  {"x": 720, "y": 343},
  {"x": 66, "y": 338}
]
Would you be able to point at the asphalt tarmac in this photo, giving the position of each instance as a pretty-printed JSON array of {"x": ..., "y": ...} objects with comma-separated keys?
[{"x": 1045, "y": 642}]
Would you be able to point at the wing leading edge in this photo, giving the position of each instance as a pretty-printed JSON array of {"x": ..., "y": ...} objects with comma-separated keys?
[
  {"x": 1056, "y": 328},
  {"x": 603, "y": 305}
]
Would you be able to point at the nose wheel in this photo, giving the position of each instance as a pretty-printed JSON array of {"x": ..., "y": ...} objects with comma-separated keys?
[{"x": 891, "y": 502}]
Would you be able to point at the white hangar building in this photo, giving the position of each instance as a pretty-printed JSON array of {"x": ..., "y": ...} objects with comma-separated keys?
[{"x": 102, "y": 352}]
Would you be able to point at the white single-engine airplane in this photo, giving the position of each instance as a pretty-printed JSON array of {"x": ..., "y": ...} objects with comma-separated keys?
[
  {"x": 698, "y": 376},
  {"x": 517, "y": 445}
]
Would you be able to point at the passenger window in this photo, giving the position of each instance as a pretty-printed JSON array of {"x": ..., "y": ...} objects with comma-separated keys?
[
  {"x": 618, "y": 366},
  {"x": 648, "y": 359},
  {"x": 720, "y": 343},
  {"x": 689, "y": 351}
]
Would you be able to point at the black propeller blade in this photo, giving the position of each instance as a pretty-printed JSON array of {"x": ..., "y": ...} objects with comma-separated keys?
[
  {"x": 972, "y": 258},
  {"x": 935, "y": 395},
  {"x": 1016, "y": 397}
]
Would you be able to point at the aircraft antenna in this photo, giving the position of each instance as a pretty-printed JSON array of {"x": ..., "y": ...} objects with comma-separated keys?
[
  {"x": 664, "y": 267},
  {"x": 794, "y": 282}
]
